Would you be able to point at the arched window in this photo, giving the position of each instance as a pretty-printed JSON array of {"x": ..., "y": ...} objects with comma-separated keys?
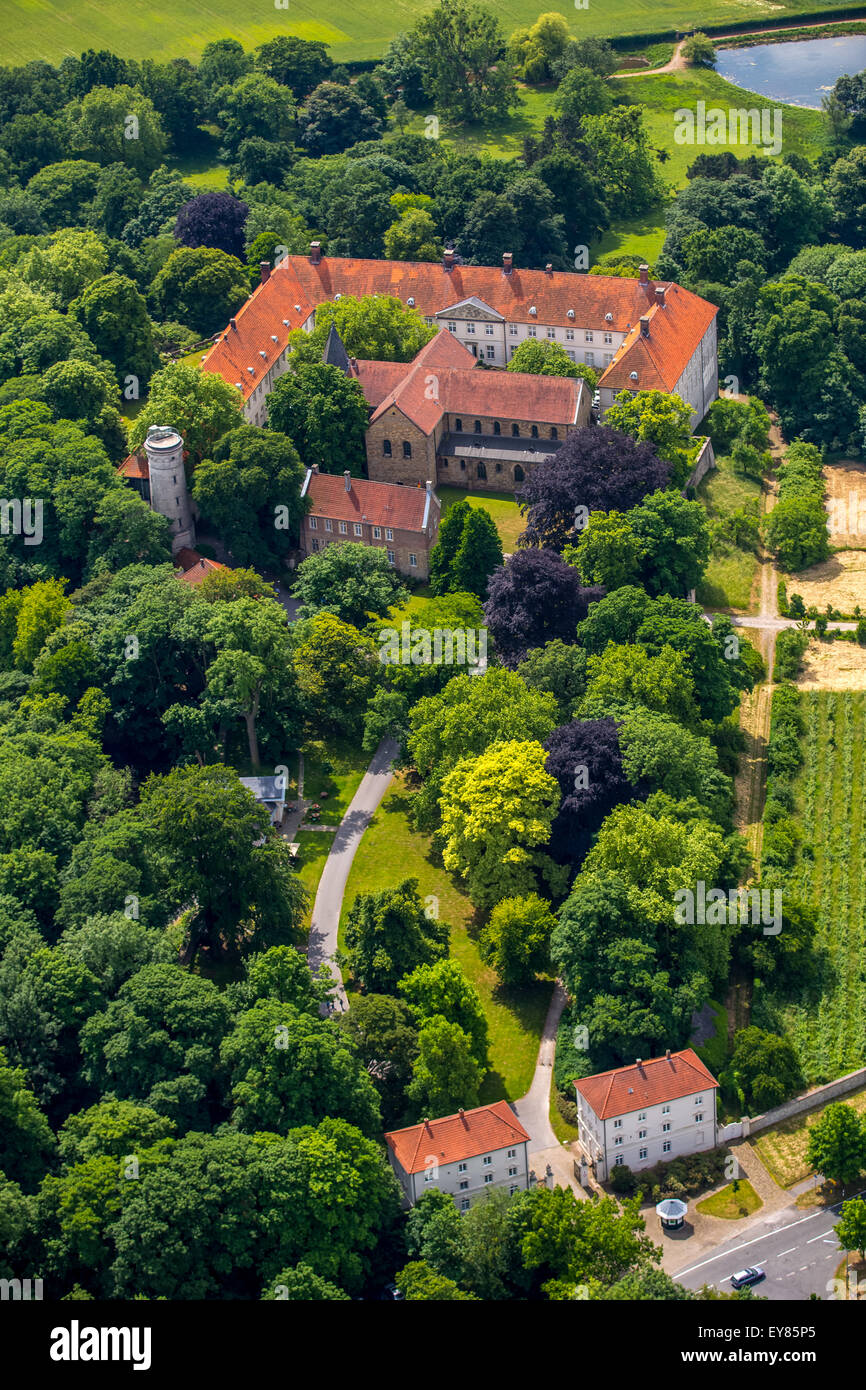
[
  {"x": 554, "y": 432},
  {"x": 481, "y": 471},
  {"x": 497, "y": 428},
  {"x": 534, "y": 431},
  {"x": 386, "y": 448},
  {"x": 515, "y": 431},
  {"x": 407, "y": 449},
  {"x": 458, "y": 425},
  {"x": 463, "y": 465},
  {"x": 518, "y": 473},
  {"x": 477, "y": 426},
  {"x": 499, "y": 467}
]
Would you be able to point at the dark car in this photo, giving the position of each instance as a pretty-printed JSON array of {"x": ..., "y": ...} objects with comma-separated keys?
[
  {"x": 391, "y": 1294},
  {"x": 744, "y": 1278}
]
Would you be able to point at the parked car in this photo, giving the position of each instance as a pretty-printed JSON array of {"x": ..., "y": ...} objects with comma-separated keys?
[
  {"x": 744, "y": 1278},
  {"x": 391, "y": 1293}
]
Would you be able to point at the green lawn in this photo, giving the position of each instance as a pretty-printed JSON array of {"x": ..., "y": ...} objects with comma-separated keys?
[
  {"x": 315, "y": 848},
  {"x": 205, "y": 172},
  {"x": 782, "y": 1150},
  {"x": 50, "y": 29},
  {"x": 714, "y": 1052},
  {"x": 730, "y": 1204},
  {"x": 510, "y": 522},
  {"x": 337, "y": 787},
  {"x": 392, "y": 850},
  {"x": 730, "y": 575},
  {"x": 829, "y": 1032}
]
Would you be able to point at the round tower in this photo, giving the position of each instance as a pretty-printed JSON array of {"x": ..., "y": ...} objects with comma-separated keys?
[{"x": 168, "y": 490}]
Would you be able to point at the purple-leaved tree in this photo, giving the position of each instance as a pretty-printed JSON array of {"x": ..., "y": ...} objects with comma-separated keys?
[
  {"x": 535, "y": 597},
  {"x": 213, "y": 219}
]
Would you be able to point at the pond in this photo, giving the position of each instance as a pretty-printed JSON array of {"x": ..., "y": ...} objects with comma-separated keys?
[{"x": 797, "y": 73}]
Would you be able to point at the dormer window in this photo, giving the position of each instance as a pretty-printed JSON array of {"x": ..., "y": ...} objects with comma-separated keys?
[
  {"x": 411, "y": 303},
  {"x": 570, "y": 314}
]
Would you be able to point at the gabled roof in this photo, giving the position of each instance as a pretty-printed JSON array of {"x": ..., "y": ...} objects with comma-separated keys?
[
  {"x": 377, "y": 504},
  {"x": 659, "y": 358},
  {"x": 456, "y": 1137},
  {"x": 298, "y": 284},
  {"x": 195, "y": 567},
  {"x": 661, "y": 1079},
  {"x": 134, "y": 466}
]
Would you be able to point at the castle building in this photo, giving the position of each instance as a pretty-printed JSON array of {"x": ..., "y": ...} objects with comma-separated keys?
[
  {"x": 157, "y": 473},
  {"x": 640, "y": 334},
  {"x": 402, "y": 521}
]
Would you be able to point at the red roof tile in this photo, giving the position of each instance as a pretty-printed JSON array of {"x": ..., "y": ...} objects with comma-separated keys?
[
  {"x": 654, "y": 1082},
  {"x": 194, "y": 567},
  {"x": 379, "y": 504},
  {"x": 659, "y": 358},
  {"x": 456, "y": 1137},
  {"x": 134, "y": 466},
  {"x": 297, "y": 286}
]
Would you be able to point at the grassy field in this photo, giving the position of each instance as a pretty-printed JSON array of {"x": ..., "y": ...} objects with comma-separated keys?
[
  {"x": 51, "y": 29},
  {"x": 783, "y": 1150},
  {"x": 390, "y": 851},
  {"x": 730, "y": 576},
  {"x": 731, "y": 1205},
  {"x": 337, "y": 787},
  {"x": 509, "y": 519},
  {"x": 830, "y": 1033},
  {"x": 315, "y": 846}
]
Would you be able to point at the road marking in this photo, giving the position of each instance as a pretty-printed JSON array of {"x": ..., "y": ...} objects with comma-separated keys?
[
  {"x": 765, "y": 1236},
  {"x": 787, "y": 1252},
  {"x": 802, "y": 1267},
  {"x": 820, "y": 1237}
]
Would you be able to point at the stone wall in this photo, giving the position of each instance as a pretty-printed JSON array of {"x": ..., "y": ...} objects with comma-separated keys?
[
  {"x": 800, "y": 1105},
  {"x": 397, "y": 469},
  {"x": 705, "y": 460}
]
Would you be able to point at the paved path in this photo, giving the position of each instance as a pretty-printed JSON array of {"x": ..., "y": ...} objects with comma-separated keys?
[
  {"x": 533, "y": 1109},
  {"x": 332, "y": 885}
]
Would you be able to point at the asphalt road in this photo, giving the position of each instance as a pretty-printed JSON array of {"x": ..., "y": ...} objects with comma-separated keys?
[{"x": 799, "y": 1255}]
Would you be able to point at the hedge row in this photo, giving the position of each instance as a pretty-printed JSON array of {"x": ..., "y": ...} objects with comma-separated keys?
[
  {"x": 784, "y": 759},
  {"x": 743, "y": 26}
]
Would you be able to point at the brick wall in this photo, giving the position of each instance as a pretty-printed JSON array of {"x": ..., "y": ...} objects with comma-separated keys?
[{"x": 397, "y": 469}]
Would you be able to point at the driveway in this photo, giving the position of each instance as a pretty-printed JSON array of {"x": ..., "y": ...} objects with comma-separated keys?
[{"x": 322, "y": 945}]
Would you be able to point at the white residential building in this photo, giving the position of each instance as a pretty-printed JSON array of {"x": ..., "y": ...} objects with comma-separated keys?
[
  {"x": 464, "y": 1154},
  {"x": 647, "y": 1113}
]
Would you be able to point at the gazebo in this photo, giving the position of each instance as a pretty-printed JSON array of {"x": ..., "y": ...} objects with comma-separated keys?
[{"x": 671, "y": 1213}]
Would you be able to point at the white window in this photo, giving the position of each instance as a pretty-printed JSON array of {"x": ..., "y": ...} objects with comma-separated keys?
[
  {"x": 641, "y": 1134},
  {"x": 390, "y": 557},
  {"x": 488, "y": 1177},
  {"x": 389, "y": 534},
  {"x": 666, "y": 1146},
  {"x": 641, "y": 1153},
  {"x": 608, "y": 358},
  {"x": 377, "y": 533},
  {"x": 491, "y": 351},
  {"x": 642, "y": 1115},
  {"x": 532, "y": 331},
  {"x": 618, "y": 1160},
  {"x": 464, "y": 1205},
  {"x": 344, "y": 529},
  {"x": 698, "y": 1100},
  {"x": 618, "y": 1140},
  {"x": 551, "y": 332},
  {"x": 512, "y": 1153},
  {"x": 608, "y": 337},
  {"x": 617, "y": 1124},
  {"x": 512, "y": 330},
  {"x": 429, "y": 322},
  {"x": 666, "y": 1128},
  {"x": 313, "y": 523},
  {"x": 699, "y": 1117},
  {"x": 329, "y": 525},
  {"x": 358, "y": 528},
  {"x": 461, "y": 1167},
  {"x": 489, "y": 330},
  {"x": 452, "y": 327},
  {"x": 512, "y": 1189},
  {"x": 590, "y": 359},
  {"x": 464, "y": 1184},
  {"x": 571, "y": 354},
  {"x": 430, "y": 1175},
  {"x": 487, "y": 1160},
  {"x": 569, "y": 335},
  {"x": 666, "y": 1110},
  {"x": 413, "y": 560},
  {"x": 315, "y": 544},
  {"x": 587, "y": 335},
  {"x": 470, "y": 328}
]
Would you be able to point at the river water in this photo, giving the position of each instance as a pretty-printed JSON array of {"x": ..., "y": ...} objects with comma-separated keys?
[{"x": 798, "y": 73}]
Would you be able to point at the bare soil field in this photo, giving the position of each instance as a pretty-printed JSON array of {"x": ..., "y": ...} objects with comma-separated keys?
[
  {"x": 841, "y": 580},
  {"x": 846, "y": 503},
  {"x": 833, "y": 666}
]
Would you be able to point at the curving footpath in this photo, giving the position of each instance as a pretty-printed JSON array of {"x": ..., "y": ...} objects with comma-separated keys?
[{"x": 322, "y": 945}]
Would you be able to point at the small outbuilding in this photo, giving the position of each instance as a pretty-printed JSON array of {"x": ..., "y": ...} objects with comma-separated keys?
[{"x": 672, "y": 1213}]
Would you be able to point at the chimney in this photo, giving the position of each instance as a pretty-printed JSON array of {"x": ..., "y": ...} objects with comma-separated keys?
[
  {"x": 347, "y": 479},
  {"x": 668, "y": 1053},
  {"x": 315, "y": 252},
  {"x": 660, "y": 295},
  {"x": 429, "y": 486},
  {"x": 448, "y": 258},
  {"x": 233, "y": 325},
  {"x": 638, "y": 1061},
  {"x": 507, "y": 263},
  {"x": 314, "y": 468},
  {"x": 265, "y": 271},
  {"x": 426, "y": 1124},
  {"x": 549, "y": 268},
  {"x": 644, "y": 327},
  {"x": 643, "y": 272}
]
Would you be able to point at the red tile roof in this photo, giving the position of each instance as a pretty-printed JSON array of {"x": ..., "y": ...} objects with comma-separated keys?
[
  {"x": 443, "y": 377},
  {"x": 379, "y": 504},
  {"x": 297, "y": 286},
  {"x": 134, "y": 466},
  {"x": 194, "y": 567},
  {"x": 654, "y": 1082},
  {"x": 659, "y": 358},
  {"x": 456, "y": 1137}
]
